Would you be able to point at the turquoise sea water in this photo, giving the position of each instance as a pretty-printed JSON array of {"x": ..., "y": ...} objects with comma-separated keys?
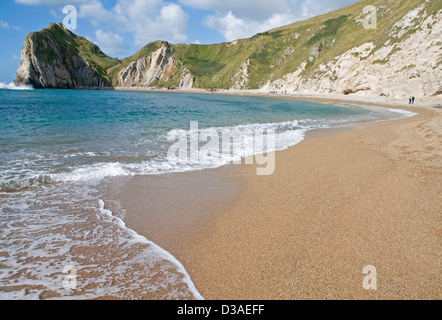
[{"x": 56, "y": 146}]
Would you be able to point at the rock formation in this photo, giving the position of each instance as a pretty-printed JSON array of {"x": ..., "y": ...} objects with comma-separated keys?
[
  {"x": 333, "y": 53},
  {"x": 49, "y": 63}
]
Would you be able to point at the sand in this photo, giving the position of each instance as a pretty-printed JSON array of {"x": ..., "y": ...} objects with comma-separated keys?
[
  {"x": 337, "y": 202},
  {"x": 434, "y": 101}
]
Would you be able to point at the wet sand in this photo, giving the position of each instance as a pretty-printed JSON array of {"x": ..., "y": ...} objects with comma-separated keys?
[
  {"x": 337, "y": 202},
  {"x": 170, "y": 209}
]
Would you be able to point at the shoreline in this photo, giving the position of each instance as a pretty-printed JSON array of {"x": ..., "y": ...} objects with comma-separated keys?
[
  {"x": 222, "y": 251},
  {"x": 307, "y": 232},
  {"x": 435, "y": 102}
]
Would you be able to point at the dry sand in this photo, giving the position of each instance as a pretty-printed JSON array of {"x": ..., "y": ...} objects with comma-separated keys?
[
  {"x": 336, "y": 203},
  {"x": 368, "y": 195},
  {"x": 435, "y": 101}
]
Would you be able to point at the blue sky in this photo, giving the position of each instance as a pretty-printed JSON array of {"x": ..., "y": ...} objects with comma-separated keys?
[{"x": 121, "y": 27}]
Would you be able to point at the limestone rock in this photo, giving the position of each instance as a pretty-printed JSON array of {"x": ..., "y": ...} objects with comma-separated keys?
[
  {"x": 46, "y": 64},
  {"x": 409, "y": 67}
]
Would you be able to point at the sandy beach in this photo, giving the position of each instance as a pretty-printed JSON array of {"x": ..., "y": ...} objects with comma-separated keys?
[
  {"x": 337, "y": 202},
  {"x": 435, "y": 101}
]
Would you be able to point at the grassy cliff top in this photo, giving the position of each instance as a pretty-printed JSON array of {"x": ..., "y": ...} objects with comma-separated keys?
[
  {"x": 68, "y": 43},
  {"x": 269, "y": 55}
]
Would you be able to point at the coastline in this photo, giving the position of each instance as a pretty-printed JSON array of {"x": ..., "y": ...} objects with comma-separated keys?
[
  {"x": 338, "y": 201},
  {"x": 328, "y": 98},
  {"x": 353, "y": 199}
]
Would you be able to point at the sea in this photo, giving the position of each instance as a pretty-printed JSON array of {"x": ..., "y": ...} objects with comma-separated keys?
[{"x": 58, "y": 239}]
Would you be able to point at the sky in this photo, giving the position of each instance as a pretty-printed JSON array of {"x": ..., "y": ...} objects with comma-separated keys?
[{"x": 122, "y": 27}]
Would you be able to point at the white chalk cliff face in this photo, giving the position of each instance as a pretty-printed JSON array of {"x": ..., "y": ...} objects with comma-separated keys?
[
  {"x": 187, "y": 79},
  {"x": 330, "y": 54},
  {"x": 160, "y": 65},
  {"x": 241, "y": 77},
  {"x": 403, "y": 66}
]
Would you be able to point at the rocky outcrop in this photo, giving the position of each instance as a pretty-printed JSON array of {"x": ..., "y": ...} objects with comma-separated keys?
[
  {"x": 241, "y": 77},
  {"x": 48, "y": 63},
  {"x": 401, "y": 67},
  {"x": 158, "y": 66},
  {"x": 187, "y": 79},
  {"x": 332, "y": 53}
]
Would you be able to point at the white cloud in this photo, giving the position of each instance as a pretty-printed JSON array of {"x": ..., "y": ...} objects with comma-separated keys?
[
  {"x": 146, "y": 20},
  {"x": 110, "y": 43},
  {"x": 54, "y": 13},
  {"x": 51, "y": 2},
  {"x": 311, "y": 8},
  {"x": 5, "y": 25},
  {"x": 97, "y": 15},
  {"x": 252, "y": 9},
  {"x": 236, "y": 19},
  {"x": 149, "y": 20},
  {"x": 232, "y": 27}
]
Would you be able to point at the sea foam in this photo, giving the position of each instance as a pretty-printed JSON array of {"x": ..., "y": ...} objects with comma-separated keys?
[
  {"x": 54, "y": 217},
  {"x": 285, "y": 134},
  {"x": 13, "y": 86},
  {"x": 50, "y": 228}
]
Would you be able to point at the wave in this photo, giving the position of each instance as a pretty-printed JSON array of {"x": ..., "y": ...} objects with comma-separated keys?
[
  {"x": 56, "y": 227},
  {"x": 156, "y": 251},
  {"x": 405, "y": 113},
  {"x": 13, "y": 86},
  {"x": 241, "y": 144}
]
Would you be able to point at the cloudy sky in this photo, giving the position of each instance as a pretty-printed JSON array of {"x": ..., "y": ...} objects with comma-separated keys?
[{"x": 121, "y": 27}]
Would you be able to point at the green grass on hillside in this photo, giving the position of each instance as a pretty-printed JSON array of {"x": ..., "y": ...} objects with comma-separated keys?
[{"x": 271, "y": 54}]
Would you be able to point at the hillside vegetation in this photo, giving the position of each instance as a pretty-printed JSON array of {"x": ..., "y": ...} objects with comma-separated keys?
[{"x": 305, "y": 48}]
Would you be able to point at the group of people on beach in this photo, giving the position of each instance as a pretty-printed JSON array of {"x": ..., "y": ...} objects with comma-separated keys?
[
  {"x": 276, "y": 92},
  {"x": 411, "y": 100}
]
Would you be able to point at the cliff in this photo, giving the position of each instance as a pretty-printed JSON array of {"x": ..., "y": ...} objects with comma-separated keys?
[
  {"x": 405, "y": 61},
  {"x": 332, "y": 53},
  {"x": 56, "y": 58}
]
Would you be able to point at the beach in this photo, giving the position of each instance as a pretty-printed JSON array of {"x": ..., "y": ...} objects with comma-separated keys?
[
  {"x": 369, "y": 99},
  {"x": 339, "y": 201},
  {"x": 187, "y": 151}
]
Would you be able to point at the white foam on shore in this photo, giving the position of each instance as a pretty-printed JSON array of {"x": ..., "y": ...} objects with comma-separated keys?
[
  {"x": 47, "y": 224},
  {"x": 91, "y": 173},
  {"x": 13, "y": 86},
  {"x": 285, "y": 135},
  {"x": 46, "y": 229},
  {"x": 160, "y": 252},
  {"x": 20, "y": 175},
  {"x": 405, "y": 113}
]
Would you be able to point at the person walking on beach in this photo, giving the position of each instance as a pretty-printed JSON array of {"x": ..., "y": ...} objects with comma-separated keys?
[
  {"x": 409, "y": 100},
  {"x": 412, "y": 100}
]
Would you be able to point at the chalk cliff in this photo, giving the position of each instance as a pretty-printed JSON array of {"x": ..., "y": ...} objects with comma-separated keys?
[
  {"x": 333, "y": 53},
  {"x": 407, "y": 63}
]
